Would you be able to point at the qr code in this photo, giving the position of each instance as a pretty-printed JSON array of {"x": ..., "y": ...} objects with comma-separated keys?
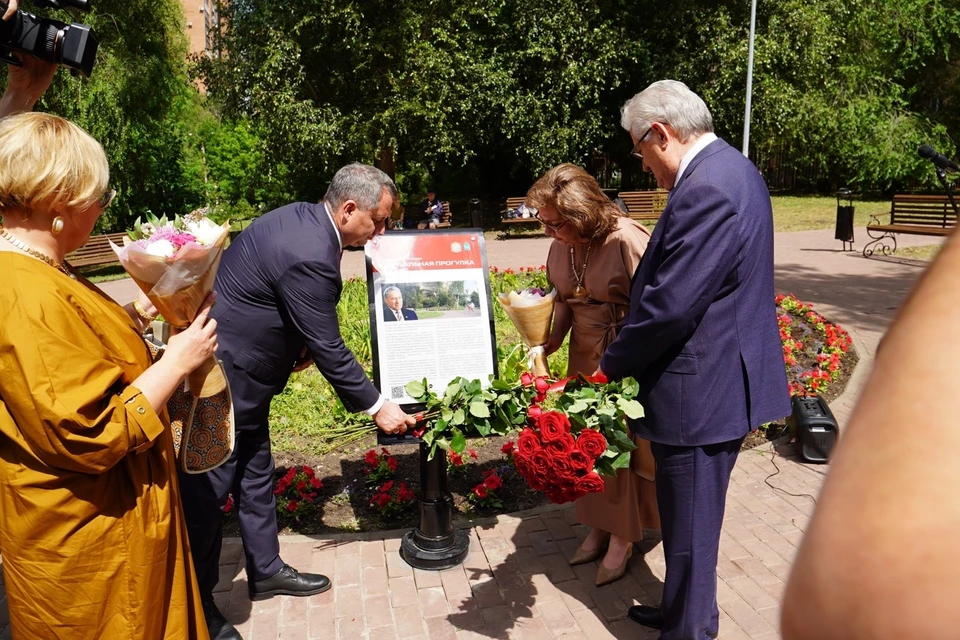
[{"x": 397, "y": 392}]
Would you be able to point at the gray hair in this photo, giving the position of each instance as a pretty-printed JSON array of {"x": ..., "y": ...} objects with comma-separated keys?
[
  {"x": 389, "y": 289},
  {"x": 668, "y": 102},
  {"x": 361, "y": 183}
]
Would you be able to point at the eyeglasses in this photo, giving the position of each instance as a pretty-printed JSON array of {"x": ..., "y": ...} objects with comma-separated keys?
[
  {"x": 107, "y": 198},
  {"x": 553, "y": 226},
  {"x": 636, "y": 154}
]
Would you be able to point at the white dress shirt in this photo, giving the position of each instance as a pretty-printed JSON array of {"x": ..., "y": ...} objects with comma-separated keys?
[{"x": 688, "y": 157}]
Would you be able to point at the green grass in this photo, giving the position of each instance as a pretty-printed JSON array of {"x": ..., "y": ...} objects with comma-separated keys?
[
  {"x": 103, "y": 273},
  {"x": 424, "y": 314},
  {"x": 926, "y": 252},
  {"x": 805, "y": 213}
]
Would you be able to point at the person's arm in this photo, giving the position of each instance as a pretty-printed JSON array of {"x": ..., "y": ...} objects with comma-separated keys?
[
  {"x": 70, "y": 401},
  {"x": 562, "y": 321},
  {"x": 25, "y": 84},
  {"x": 880, "y": 557},
  {"x": 308, "y": 293},
  {"x": 143, "y": 316},
  {"x": 699, "y": 252}
]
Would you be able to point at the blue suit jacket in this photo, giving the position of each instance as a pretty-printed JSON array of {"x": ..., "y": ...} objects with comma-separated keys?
[
  {"x": 277, "y": 290},
  {"x": 408, "y": 314},
  {"x": 702, "y": 337}
]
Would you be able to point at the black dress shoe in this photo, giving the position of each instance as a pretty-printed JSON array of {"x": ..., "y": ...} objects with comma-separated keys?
[
  {"x": 217, "y": 625},
  {"x": 289, "y": 582},
  {"x": 653, "y": 618}
]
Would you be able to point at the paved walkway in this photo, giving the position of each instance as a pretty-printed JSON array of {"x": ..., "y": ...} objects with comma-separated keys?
[{"x": 516, "y": 583}]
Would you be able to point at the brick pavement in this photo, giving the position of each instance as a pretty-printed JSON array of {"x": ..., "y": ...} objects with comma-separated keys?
[{"x": 516, "y": 583}]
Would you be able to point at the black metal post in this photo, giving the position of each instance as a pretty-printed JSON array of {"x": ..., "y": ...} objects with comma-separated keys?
[
  {"x": 942, "y": 175},
  {"x": 435, "y": 544}
]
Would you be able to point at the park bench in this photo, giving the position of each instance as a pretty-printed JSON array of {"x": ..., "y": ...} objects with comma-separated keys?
[
  {"x": 413, "y": 211},
  {"x": 96, "y": 251},
  {"x": 644, "y": 205},
  {"x": 921, "y": 215},
  {"x": 513, "y": 204}
]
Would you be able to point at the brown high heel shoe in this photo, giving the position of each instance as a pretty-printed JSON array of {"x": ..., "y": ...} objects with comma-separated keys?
[
  {"x": 581, "y": 556},
  {"x": 606, "y": 576}
]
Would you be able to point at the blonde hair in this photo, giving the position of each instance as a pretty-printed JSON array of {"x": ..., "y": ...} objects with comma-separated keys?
[
  {"x": 50, "y": 161},
  {"x": 577, "y": 198}
]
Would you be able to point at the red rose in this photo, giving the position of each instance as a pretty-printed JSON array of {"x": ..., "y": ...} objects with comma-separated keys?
[
  {"x": 227, "y": 508},
  {"x": 508, "y": 448},
  {"x": 542, "y": 465},
  {"x": 590, "y": 483},
  {"x": 599, "y": 378},
  {"x": 480, "y": 491},
  {"x": 533, "y": 414},
  {"x": 553, "y": 425},
  {"x": 418, "y": 433},
  {"x": 562, "y": 467},
  {"x": 592, "y": 443},
  {"x": 562, "y": 446},
  {"x": 581, "y": 461},
  {"x": 526, "y": 379},
  {"x": 524, "y": 468},
  {"x": 540, "y": 397},
  {"x": 529, "y": 442},
  {"x": 541, "y": 385},
  {"x": 292, "y": 506}
]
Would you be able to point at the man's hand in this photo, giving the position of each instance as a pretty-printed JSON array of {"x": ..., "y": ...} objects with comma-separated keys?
[
  {"x": 391, "y": 418},
  {"x": 304, "y": 360}
]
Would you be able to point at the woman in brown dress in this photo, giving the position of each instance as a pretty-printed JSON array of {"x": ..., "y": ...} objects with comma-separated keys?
[
  {"x": 592, "y": 260},
  {"x": 92, "y": 534}
]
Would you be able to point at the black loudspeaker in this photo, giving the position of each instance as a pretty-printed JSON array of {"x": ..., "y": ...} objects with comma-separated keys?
[{"x": 815, "y": 428}]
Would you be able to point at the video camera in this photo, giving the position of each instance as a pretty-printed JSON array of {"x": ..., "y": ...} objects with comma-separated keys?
[{"x": 73, "y": 46}]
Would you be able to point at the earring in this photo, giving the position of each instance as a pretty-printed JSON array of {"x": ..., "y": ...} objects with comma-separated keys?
[{"x": 57, "y": 225}]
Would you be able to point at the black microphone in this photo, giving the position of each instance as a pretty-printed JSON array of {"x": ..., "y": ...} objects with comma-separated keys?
[{"x": 942, "y": 161}]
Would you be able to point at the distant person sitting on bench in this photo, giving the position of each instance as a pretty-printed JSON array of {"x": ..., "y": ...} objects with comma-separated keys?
[{"x": 430, "y": 210}]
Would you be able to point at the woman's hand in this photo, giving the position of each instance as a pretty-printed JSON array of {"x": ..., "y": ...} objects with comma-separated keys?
[
  {"x": 197, "y": 343},
  {"x": 552, "y": 344},
  {"x": 26, "y": 83}
]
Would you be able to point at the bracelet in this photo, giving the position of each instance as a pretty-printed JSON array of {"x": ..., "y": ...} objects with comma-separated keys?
[{"x": 138, "y": 308}]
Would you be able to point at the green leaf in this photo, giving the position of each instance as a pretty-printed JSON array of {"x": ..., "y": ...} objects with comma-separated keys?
[
  {"x": 459, "y": 417},
  {"x": 631, "y": 408},
  {"x": 479, "y": 410},
  {"x": 622, "y": 461},
  {"x": 630, "y": 387},
  {"x": 500, "y": 385},
  {"x": 415, "y": 389},
  {"x": 447, "y": 414},
  {"x": 483, "y": 428},
  {"x": 621, "y": 439},
  {"x": 459, "y": 442}
]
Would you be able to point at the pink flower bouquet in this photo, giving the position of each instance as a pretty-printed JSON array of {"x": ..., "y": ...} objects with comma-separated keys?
[{"x": 175, "y": 263}]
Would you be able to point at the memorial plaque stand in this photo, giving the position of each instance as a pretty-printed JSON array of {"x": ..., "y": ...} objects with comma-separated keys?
[{"x": 435, "y": 544}]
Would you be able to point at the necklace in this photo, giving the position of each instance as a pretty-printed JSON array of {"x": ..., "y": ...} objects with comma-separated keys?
[
  {"x": 62, "y": 267},
  {"x": 580, "y": 291}
]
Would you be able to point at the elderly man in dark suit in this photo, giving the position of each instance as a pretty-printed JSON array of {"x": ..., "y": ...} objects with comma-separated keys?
[
  {"x": 393, "y": 309},
  {"x": 701, "y": 338},
  {"x": 277, "y": 292}
]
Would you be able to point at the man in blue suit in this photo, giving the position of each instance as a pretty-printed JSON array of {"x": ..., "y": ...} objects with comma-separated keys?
[
  {"x": 701, "y": 338},
  {"x": 277, "y": 292},
  {"x": 393, "y": 309}
]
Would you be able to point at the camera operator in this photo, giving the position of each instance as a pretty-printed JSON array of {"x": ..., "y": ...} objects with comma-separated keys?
[{"x": 27, "y": 83}]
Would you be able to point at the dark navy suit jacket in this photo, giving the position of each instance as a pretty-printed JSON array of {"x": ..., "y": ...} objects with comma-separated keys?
[
  {"x": 702, "y": 337},
  {"x": 277, "y": 291},
  {"x": 408, "y": 314}
]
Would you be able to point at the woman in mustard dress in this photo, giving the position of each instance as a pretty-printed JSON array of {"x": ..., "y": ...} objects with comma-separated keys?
[
  {"x": 591, "y": 262},
  {"x": 91, "y": 530}
]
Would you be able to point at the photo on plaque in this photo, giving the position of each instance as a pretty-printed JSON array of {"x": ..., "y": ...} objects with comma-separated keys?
[{"x": 430, "y": 314}]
